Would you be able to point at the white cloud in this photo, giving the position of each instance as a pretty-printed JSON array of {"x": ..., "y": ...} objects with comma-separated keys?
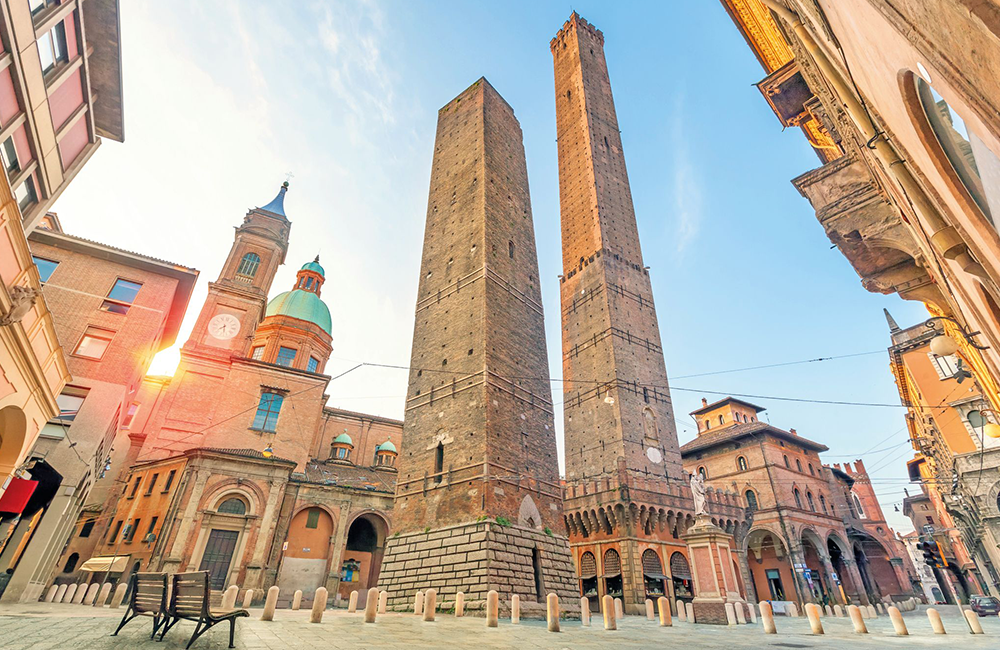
[{"x": 687, "y": 184}]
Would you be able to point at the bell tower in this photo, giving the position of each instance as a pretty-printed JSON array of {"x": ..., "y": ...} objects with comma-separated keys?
[{"x": 237, "y": 299}]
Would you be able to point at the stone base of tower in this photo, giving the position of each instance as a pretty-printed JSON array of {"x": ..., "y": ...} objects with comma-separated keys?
[{"x": 475, "y": 558}]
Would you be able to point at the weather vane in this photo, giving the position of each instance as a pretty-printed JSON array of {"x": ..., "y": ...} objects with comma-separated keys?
[{"x": 289, "y": 176}]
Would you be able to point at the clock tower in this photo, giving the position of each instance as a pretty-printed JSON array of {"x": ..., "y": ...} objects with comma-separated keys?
[{"x": 237, "y": 299}]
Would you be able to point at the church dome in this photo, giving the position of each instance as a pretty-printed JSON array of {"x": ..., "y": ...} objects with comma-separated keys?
[
  {"x": 343, "y": 439},
  {"x": 304, "y": 305},
  {"x": 386, "y": 446},
  {"x": 314, "y": 266}
]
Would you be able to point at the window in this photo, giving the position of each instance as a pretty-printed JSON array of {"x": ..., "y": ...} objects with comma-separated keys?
[
  {"x": 152, "y": 527},
  {"x": 232, "y": 506},
  {"x": 439, "y": 462},
  {"x": 976, "y": 166},
  {"x": 645, "y": 394},
  {"x": 312, "y": 519},
  {"x": 977, "y": 422},
  {"x": 94, "y": 342},
  {"x": 130, "y": 530},
  {"x": 510, "y": 249},
  {"x": 71, "y": 563},
  {"x": 37, "y": 6},
  {"x": 809, "y": 499},
  {"x": 152, "y": 482},
  {"x": 343, "y": 453},
  {"x": 25, "y": 193},
  {"x": 8, "y": 152},
  {"x": 798, "y": 498},
  {"x": 257, "y": 353},
  {"x": 822, "y": 504},
  {"x": 751, "y": 500},
  {"x": 313, "y": 364},
  {"x": 286, "y": 356},
  {"x": 267, "y": 412},
  {"x": 135, "y": 486},
  {"x": 703, "y": 472},
  {"x": 857, "y": 504},
  {"x": 70, "y": 401},
  {"x": 113, "y": 535},
  {"x": 741, "y": 463},
  {"x": 536, "y": 565},
  {"x": 722, "y": 420},
  {"x": 170, "y": 480},
  {"x": 946, "y": 366},
  {"x": 811, "y": 469},
  {"x": 52, "y": 47},
  {"x": 133, "y": 408},
  {"x": 786, "y": 462},
  {"x": 708, "y": 425},
  {"x": 121, "y": 296},
  {"x": 798, "y": 464},
  {"x": 248, "y": 266},
  {"x": 87, "y": 528}
]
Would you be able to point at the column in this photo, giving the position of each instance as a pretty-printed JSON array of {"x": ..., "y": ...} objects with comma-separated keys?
[
  {"x": 340, "y": 540},
  {"x": 748, "y": 583},
  {"x": 859, "y": 584},
  {"x": 173, "y": 561},
  {"x": 798, "y": 559},
  {"x": 254, "y": 577},
  {"x": 834, "y": 588}
]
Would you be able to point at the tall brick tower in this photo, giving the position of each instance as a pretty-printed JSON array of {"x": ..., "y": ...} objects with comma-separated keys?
[
  {"x": 478, "y": 501},
  {"x": 627, "y": 500}
]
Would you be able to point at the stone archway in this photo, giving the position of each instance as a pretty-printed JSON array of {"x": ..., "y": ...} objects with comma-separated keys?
[
  {"x": 877, "y": 574},
  {"x": 770, "y": 565},
  {"x": 13, "y": 431},
  {"x": 815, "y": 575},
  {"x": 361, "y": 559}
]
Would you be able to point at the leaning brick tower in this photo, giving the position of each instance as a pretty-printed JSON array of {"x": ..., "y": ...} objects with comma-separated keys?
[{"x": 478, "y": 501}]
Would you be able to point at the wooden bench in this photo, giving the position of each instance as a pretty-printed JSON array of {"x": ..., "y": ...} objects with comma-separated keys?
[
  {"x": 147, "y": 597},
  {"x": 190, "y": 598}
]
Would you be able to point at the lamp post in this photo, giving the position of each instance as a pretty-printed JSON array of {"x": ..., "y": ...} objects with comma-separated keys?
[{"x": 943, "y": 345}]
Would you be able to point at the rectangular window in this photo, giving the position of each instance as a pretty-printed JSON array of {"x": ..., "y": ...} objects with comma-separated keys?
[
  {"x": 52, "y": 47},
  {"x": 113, "y": 535},
  {"x": 312, "y": 519},
  {"x": 170, "y": 481},
  {"x": 267, "y": 412},
  {"x": 152, "y": 482},
  {"x": 313, "y": 364},
  {"x": 9, "y": 155},
  {"x": 135, "y": 486},
  {"x": 257, "y": 353},
  {"x": 152, "y": 526},
  {"x": 286, "y": 356},
  {"x": 121, "y": 296},
  {"x": 25, "y": 193},
  {"x": 133, "y": 408},
  {"x": 45, "y": 267},
  {"x": 94, "y": 342},
  {"x": 131, "y": 530},
  {"x": 70, "y": 401},
  {"x": 87, "y": 527}
]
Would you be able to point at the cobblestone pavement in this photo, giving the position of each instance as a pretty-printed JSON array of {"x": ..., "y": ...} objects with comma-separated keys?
[{"x": 44, "y": 626}]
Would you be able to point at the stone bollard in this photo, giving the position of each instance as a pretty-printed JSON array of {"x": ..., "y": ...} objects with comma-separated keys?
[
  {"x": 741, "y": 616},
  {"x": 515, "y": 609},
  {"x": 229, "y": 597},
  {"x": 119, "y": 596},
  {"x": 50, "y": 596},
  {"x": 352, "y": 604},
  {"x": 730, "y": 614},
  {"x": 767, "y": 618},
  {"x": 793, "y": 610},
  {"x": 418, "y": 603},
  {"x": 80, "y": 594},
  {"x": 859, "y": 622},
  {"x": 60, "y": 593},
  {"x": 828, "y": 611},
  {"x": 897, "y": 622},
  {"x": 383, "y": 600},
  {"x": 270, "y": 603},
  {"x": 608, "y": 607},
  {"x": 460, "y": 604},
  {"x": 319, "y": 605},
  {"x": 552, "y": 612},
  {"x": 812, "y": 612},
  {"x": 838, "y": 611},
  {"x": 863, "y": 609},
  {"x": 664, "y": 606},
  {"x": 297, "y": 600},
  {"x": 650, "y": 612},
  {"x": 492, "y": 608},
  {"x": 92, "y": 589},
  {"x": 753, "y": 613},
  {"x": 371, "y": 605},
  {"x": 584, "y": 611},
  {"x": 248, "y": 599},
  {"x": 972, "y": 618},
  {"x": 689, "y": 608},
  {"x": 430, "y": 604},
  {"x": 871, "y": 612},
  {"x": 619, "y": 609},
  {"x": 680, "y": 610},
  {"x": 935, "y": 619},
  {"x": 102, "y": 596},
  {"x": 880, "y": 609}
]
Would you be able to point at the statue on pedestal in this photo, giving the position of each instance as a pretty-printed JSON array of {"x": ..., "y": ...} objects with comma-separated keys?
[{"x": 698, "y": 493}]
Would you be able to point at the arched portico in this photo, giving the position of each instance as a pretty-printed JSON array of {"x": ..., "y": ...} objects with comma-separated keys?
[
  {"x": 361, "y": 559},
  {"x": 770, "y": 565}
]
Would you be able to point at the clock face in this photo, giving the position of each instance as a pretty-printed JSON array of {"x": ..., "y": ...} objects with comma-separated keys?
[{"x": 224, "y": 326}]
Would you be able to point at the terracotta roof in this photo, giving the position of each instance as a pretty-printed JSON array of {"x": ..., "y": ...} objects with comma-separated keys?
[
  {"x": 713, "y": 405},
  {"x": 351, "y": 476},
  {"x": 245, "y": 453},
  {"x": 735, "y": 432}
]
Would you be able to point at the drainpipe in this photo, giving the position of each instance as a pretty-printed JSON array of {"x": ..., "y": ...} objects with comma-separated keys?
[{"x": 944, "y": 238}]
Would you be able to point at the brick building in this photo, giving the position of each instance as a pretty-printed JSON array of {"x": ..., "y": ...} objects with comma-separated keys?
[
  {"x": 627, "y": 500},
  {"x": 234, "y": 464},
  {"x": 113, "y": 311},
  {"x": 816, "y": 533},
  {"x": 478, "y": 502}
]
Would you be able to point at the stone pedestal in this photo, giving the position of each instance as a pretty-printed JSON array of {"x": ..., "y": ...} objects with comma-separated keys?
[{"x": 710, "y": 552}]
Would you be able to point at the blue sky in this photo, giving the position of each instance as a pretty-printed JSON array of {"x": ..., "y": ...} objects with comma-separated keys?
[{"x": 223, "y": 98}]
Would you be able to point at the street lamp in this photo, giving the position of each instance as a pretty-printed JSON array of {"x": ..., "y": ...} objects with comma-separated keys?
[
  {"x": 943, "y": 345},
  {"x": 268, "y": 452}
]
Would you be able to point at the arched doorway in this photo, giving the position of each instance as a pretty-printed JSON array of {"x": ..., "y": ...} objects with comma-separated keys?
[
  {"x": 306, "y": 560},
  {"x": 362, "y": 556},
  {"x": 877, "y": 573},
  {"x": 680, "y": 577},
  {"x": 652, "y": 574},
  {"x": 612, "y": 573},
  {"x": 588, "y": 580},
  {"x": 767, "y": 557}
]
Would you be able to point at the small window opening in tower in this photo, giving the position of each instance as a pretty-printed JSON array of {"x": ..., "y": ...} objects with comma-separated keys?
[
  {"x": 536, "y": 564},
  {"x": 510, "y": 249},
  {"x": 606, "y": 145},
  {"x": 439, "y": 462}
]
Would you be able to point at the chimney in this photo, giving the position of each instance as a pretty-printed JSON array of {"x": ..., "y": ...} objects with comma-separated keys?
[
  {"x": 792, "y": 431},
  {"x": 704, "y": 402}
]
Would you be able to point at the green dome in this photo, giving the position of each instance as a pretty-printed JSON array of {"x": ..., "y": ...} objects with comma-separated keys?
[
  {"x": 314, "y": 266},
  {"x": 386, "y": 446},
  {"x": 343, "y": 438},
  {"x": 304, "y": 305}
]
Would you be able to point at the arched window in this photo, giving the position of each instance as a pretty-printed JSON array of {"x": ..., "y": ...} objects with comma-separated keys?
[
  {"x": 722, "y": 420},
  {"x": 822, "y": 504},
  {"x": 811, "y": 469},
  {"x": 741, "y": 463},
  {"x": 798, "y": 464},
  {"x": 703, "y": 472},
  {"x": 343, "y": 453},
  {"x": 232, "y": 506},
  {"x": 71, "y": 563},
  {"x": 857, "y": 504},
  {"x": 588, "y": 565},
  {"x": 708, "y": 425},
  {"x": 809, "y": 498},
  {"x": 751, "y": 500},
  {"x": 798, "y": 498},
  {"x": 786, "y": 462},
  {"x": 248, "y": 266}
]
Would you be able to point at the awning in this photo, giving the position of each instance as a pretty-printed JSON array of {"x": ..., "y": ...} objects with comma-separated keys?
[
  {"x": 16, "y": 496},
  {"x": 656, "y": 576},
  {"x": 611, "y": 575},
  {"x": 588, "y": 576},
  {"x": 112, "y": 563}
]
